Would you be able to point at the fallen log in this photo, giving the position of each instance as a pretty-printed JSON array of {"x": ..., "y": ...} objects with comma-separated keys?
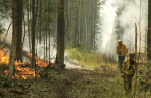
[
  {"x": 43, "y": 71},
  {"x": 20, "y": 76}
]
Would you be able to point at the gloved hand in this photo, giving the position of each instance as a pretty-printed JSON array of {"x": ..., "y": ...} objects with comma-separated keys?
[
  {"x": 122, "y": 74},
  {"x": 119, "y": 52},
  {"x": 125, "y": 55}
]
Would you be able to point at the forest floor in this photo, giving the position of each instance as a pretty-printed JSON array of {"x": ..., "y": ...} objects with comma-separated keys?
[
  {"x": 73, "y": 83},
  {"x": 101, "y": 82}
]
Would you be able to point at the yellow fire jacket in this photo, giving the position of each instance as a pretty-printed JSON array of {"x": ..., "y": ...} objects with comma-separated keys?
[
  {"x": 126, "y": 66},
  {"x": 121, "y": 51}
]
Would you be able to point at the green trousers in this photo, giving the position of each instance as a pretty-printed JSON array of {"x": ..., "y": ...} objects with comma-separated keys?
[
  {"x": 128, "y": 83},
  {"x": 120, "y": 62}
]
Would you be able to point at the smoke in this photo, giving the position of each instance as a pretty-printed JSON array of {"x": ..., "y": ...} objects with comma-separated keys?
[
  {"x": 5, "y": 23},
  {"x": 41, "y": 52},
  {"x": 130, "y": 14},
  {"x": 135, "y": 12},
  {"x": 107, "y": 21},
  {"x": 107, "y": 39},
  {"x": 40, "y": 47}
]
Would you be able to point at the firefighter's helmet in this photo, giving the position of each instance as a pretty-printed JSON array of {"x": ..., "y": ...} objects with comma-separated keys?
[
  {"x": 132, "y": 54},
  {"x": 120, "y": 41}
]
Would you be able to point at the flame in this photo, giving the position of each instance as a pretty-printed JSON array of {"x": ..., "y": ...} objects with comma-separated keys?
[
  {"x": 3, "y": 59},
  {"x": 23, "y": 72},
  {"x": 40, "y": 62}
]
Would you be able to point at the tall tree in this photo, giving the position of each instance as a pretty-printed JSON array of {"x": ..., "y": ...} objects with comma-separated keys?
[
  {"x": 14, "y": 42},
  {"x": 40, "y": 12},
  {"x": 33, "y": 33},
  {"x": 149, "y": 31},
  {"x": 82, "y": 23},
  {"x": 60, "y": 33},
  {"x": 37, "y": 24},
  {"x": 46, "y": 31},
  {"x": 29, "y": 31},
  {"x": 19, "y": 31}
]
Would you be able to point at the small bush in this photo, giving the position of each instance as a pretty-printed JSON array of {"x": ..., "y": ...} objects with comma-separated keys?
[{"x": 90, "y": 59}]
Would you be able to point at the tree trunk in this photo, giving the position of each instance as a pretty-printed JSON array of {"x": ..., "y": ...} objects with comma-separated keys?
[
  {"x": 44, "y": 44},
  {"x": 40, "y": 22},
  {"x": 36, "y": 24},
  {"x": 46, "y": 38},
  {"x": 135, "y": 38},
  {"x": 19, "y": 31},
  {"x": 79, "y": 22},
  {"x": 149, "y": 32},
  {"x": 91, "y": 33},
  {"x": 49, "y": 43},
  {"x": 94, "y": 30},
  {"x": 33, "y": 33},
  {"x": 60, "y": 33},
  {"x": 49, "y": 31},
  {"x": 14, "y": 42},
  {"x": 86, "y": 32},
  {"x": 24, "y": 28},
  {"x": 31, "y": 24},
  {"x": 94, "y": 25},
  {"x": 49, "y": 39},
  {"x": 28, "y": 9},
  {"x": 77, "y": 30}
]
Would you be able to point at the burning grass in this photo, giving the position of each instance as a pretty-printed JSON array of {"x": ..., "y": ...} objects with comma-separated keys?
[
  {"x": 21, "y": 70},
  {"x": 40, "y": 62}
]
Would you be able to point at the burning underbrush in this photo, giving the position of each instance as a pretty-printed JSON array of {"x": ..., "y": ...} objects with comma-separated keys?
[{"x": 22, "y": 70}]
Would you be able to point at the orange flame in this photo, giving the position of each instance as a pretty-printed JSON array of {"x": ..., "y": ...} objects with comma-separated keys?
[
  {"x": 39, "y": 61},
  {"x": 24, "y": 72}
]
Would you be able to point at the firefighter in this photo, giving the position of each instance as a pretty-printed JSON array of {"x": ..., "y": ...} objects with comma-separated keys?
[
  {"x": 129, "y": 67},
  {"x": 121, "y": 50}
]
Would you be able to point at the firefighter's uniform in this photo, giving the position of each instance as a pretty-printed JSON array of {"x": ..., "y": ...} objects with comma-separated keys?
[
  {"x": 129, "y": 68},
  {"x": 121, "y": 51}
]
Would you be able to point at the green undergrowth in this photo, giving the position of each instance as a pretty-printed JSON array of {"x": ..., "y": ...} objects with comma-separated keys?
[
  {"x": 72, "y": 83},
  {"x": 91, "y": 59}
]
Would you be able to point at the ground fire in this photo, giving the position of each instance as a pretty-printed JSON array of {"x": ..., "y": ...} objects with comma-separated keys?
[{"x": 21, "y": 70}]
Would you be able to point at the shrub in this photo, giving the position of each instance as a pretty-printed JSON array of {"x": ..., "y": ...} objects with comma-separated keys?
[{"x": 89, "y": 59}]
